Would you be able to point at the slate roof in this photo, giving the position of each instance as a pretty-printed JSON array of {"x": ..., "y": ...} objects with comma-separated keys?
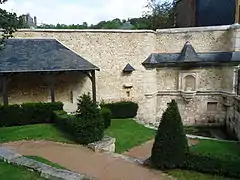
[
  {"x": 188, "y": 56},
  {"x": 128, "y": 68},
  {"x": 31, "y": 55}
]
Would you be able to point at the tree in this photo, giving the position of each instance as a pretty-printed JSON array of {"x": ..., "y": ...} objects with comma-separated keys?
[
  {"x": 160, "y": 15},
  {"x": 90, "y": 124},
  {"x": 9, "y": 22},
  {"x": 171, "y": 146}
]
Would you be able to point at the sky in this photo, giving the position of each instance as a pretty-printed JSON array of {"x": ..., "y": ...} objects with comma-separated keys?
[{"x": 76, "y": 11}]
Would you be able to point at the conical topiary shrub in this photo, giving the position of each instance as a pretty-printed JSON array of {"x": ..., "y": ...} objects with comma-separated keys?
[{"x": 171, "y": 146}]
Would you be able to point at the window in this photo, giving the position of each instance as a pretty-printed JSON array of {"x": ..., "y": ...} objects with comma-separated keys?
[{"x": 212, "y": 106}]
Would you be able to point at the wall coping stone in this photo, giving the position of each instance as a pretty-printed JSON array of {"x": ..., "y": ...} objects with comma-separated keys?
[
  {"x": 198, "y": 29},
  {"x": 45, "y": 171},
  {"x": 87, "y": 30}
]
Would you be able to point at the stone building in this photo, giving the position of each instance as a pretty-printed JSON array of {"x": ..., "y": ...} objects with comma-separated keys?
[{"x": 196, "y": 66}]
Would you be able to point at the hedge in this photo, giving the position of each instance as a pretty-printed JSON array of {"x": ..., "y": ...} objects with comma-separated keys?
[
  {"x": 107, "y": 116},
  {"x": 212, "y": 165},
  {"x": 83, "y": 132},
  {"x": 28, "y": 113},
  {"x": 124, "y": 109}
]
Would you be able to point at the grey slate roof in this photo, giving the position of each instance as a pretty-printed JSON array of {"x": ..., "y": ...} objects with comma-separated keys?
[
  {"x": 31, "y": 55},
  {"x": 128, "y": 68},
  {"x": 188, "y": 56}
]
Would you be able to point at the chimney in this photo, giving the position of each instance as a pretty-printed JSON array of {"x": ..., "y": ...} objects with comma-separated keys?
[{"x": 35, "y": 20}]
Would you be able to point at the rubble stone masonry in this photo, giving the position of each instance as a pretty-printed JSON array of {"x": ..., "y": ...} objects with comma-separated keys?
[{"x": 152, "y": 88}]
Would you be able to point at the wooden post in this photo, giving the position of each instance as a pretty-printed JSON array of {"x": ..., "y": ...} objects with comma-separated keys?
[
  {"x": 5, "y": 90},
  {"x": 51, "y": 86},
  {"x": 93, "y": 79}
]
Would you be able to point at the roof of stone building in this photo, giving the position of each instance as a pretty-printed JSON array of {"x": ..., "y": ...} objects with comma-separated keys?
[
  {"x": 188, "y": 56},
  {"x": 128, "y": 68},
  {"x": 33, "y": 55}
]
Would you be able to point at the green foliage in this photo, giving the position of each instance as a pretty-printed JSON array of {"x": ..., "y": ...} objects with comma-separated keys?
[
  {"x": 28, "y": 113},
  {"x": 9, "y": 22},
  {"x": 129, "y": 134},
  {"x": 87, "y": 125},
  {"x": 171, "y": 146},
  {"x": 123, "y": 109},
  {"x": 10, "y": 171},
  {"x": 213, "y": 165},
  {"x": 107, "y": 116}
]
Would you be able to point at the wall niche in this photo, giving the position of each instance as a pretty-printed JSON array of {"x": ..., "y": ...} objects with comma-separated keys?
[
  {"x": 187, "y": 85},
  {"x": 187, "y": 81}
]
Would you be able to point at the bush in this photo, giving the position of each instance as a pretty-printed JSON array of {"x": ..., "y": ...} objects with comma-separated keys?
[
  {"x": 91, "y": 125},
  {"x": 87, "y": 125},
  {"x": 213, "y": 165},
  {"x": 124, "y": 109},
  {"x": 28, "y": 113},
  {"x": 107, "y": 116},
  {"x": 171, "y": 146},
  {"x": 11, "y": 115}
]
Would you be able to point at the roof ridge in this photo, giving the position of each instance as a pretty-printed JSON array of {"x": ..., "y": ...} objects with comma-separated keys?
[{"x": 188, "y": 53}]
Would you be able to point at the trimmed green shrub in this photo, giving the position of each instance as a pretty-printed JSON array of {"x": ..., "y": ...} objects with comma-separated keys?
[
  {"x": 11, "y": 115},
  {"x": 171, "y": 146},
  {"x": 90, "y": 127},
  {"x": 107, "y": 116},
  {"x": 28, "y": 113},
  {"x": 86, "y": 126},
  {"x": 212, "y": 165},
  {"x": 124, "y": 109}
]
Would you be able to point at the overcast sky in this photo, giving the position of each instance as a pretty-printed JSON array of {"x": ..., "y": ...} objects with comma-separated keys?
[{"x": 76, "y": 11}]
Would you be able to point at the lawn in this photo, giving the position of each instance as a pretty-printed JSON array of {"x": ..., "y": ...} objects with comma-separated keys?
[
  {"x": 33, "y": 132},
  {"x": 128, "y": 134},
  {"x": 13, "y": 172},
  {"x": 191, "y": 175},
  {"x": 218, "y": 149}
]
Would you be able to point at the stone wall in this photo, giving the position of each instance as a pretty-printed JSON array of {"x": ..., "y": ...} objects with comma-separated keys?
[
  {"x": 233, "y": 117},
  {"x": 34, "y": 87},
  {"x": 111, "y": 50}
]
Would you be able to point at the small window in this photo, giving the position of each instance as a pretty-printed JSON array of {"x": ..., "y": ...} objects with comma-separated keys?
[{"x": 212, "y": 106}]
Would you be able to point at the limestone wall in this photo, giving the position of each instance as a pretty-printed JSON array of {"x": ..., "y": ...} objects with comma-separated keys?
[
  {"x": 111, "y": 50},
  {"x": 233, "y": 117},
  {"x": 30, "y": 87}
]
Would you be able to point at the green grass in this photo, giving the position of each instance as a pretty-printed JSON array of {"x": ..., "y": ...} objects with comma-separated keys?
[
  {"x": 128, "y": 134},
  {"x": 192, "y": 175},
  {"x": 45, "y": 161},
  {"x": 218, "y": 149},
  {"x": 13, "y": 172},
  {"x": 33, "y": 132}
]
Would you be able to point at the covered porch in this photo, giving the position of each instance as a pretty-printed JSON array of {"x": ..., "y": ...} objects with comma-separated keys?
[{"x": 44, "y": 68}]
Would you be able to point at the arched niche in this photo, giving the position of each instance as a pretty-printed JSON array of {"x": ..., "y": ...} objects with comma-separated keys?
[{"x": 189, "y": 83}]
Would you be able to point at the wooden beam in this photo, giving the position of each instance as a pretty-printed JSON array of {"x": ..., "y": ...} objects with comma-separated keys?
[
  {"x": 51, "y": 80},
  {"x": 5, "y": 89},
  {"x": 93, "y": 78}
]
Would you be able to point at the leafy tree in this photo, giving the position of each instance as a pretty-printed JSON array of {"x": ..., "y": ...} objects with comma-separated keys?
[
  {"x": 160, "y": 15},
  {"x": 171, "y": 146},
  {"x": 9, "y": 22}
]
